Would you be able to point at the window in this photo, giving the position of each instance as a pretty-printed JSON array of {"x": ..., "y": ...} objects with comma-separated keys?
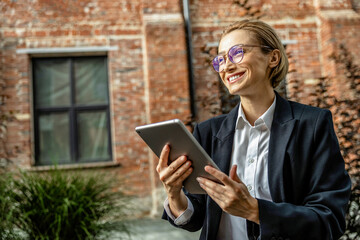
[{"x": 71, "y": 110}]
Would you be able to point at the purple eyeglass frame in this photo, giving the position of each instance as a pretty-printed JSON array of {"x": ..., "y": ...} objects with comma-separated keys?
[{"x": 215, "y": 62}]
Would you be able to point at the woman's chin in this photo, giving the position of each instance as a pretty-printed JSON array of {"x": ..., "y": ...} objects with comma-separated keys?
[{"x": 234, "y": 90}]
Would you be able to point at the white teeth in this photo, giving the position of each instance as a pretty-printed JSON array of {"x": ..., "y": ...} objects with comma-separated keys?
[{"x": 234, "y": 77}]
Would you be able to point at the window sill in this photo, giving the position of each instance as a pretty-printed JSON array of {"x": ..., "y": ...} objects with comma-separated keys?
[{"x": 74, "y": 166}]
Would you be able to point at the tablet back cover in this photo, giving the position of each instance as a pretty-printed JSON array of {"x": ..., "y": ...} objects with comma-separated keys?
[{"x": 181, "y": 141}]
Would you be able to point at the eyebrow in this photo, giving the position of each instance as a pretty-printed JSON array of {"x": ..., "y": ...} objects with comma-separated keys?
[{"x": 223, "y": 52}]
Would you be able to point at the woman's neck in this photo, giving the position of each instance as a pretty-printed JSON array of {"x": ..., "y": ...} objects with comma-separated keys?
[{"x": 256, "y": 105}]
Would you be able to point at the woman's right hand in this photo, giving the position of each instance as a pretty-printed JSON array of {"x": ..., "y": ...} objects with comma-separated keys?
[{"x": 172, "y": 176}]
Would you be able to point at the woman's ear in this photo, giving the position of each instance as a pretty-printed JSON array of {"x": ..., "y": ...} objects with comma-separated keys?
[{"x": 274, "y": 58}]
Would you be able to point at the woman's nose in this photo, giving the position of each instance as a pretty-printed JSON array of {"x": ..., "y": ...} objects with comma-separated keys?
[{"x": 228, "y": 65}]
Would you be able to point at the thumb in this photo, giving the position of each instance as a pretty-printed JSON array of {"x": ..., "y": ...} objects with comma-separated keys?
[{"x": 233, "y": 174}]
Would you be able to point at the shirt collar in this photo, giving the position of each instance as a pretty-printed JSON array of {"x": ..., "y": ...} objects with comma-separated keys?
[{"x": 266, "y": 118}]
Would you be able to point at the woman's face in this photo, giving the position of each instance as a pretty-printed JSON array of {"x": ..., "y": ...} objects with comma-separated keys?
[{"x": 251, "y": 75}]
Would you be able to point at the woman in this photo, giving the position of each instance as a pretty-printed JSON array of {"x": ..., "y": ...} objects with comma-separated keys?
[{"x": 282, "y": 176}]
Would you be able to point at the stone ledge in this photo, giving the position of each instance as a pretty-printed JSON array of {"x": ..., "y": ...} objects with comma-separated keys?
[
  {"x": 163, "y": 17},
  {"x": 336, "y": 15},
  {"x": 74, "y": 166},
  {"x": 90, "y": 50}
]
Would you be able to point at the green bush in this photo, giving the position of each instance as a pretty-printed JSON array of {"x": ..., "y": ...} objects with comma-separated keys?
[
  {"x": 6, "y": 209},
  {"x": 60, "y": 205}
]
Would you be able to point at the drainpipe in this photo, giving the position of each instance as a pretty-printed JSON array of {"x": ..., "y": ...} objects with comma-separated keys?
[{"x": 186, "y": 12}]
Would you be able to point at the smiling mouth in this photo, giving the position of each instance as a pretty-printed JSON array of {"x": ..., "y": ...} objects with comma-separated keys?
[{"x": 236, "y": 77}]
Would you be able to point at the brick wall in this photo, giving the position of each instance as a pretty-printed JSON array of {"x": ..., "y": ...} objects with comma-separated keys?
[
  {"x": 148, "y": 73},
  {"x": 150, "y": 39},
  {"x": 339, "y": 28},
  {"x": 167, "y": 77},
  {"x": 313, "y": 28}
]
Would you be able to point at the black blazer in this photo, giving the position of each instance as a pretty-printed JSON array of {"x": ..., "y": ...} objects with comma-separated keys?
[{"x": 309, "y": 186}]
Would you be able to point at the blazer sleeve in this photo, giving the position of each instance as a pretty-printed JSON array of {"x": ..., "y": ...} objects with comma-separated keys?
[
  {"x": 321, "y": 215},
  {"x": 198, "y": 200}
]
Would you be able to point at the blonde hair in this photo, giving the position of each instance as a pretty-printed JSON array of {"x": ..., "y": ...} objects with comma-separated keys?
[{"x": 265, "y": 35}]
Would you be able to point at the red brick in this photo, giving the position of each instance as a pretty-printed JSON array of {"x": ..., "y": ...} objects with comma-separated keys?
[{"x": 40, "y": 33}]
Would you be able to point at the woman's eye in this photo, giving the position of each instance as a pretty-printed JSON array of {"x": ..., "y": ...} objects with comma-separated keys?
[{"x": 238, "y": 51}]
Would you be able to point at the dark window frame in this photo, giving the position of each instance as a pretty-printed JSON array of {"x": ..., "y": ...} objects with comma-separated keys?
[{"x": 72, "y": 111}]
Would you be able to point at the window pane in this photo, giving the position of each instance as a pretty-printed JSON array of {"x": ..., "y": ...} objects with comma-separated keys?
[
  {"x": 91, "y": 81},
  {"x": 52, "y": 82},
  {"x": 93, "y": 136},
  {"x": 54, "y": 147}
]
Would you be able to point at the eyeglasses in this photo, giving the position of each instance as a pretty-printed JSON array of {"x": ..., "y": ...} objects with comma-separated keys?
[{"x": 235, "y": 55}]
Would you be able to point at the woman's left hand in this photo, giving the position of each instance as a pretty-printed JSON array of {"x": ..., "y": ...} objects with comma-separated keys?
[{"x": 232, "y": 195}]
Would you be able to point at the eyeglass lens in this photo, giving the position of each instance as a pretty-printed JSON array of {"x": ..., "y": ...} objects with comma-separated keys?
[{"x": 235, "y": 55}]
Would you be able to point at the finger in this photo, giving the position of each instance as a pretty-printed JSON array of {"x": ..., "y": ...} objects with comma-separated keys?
[
  {"x": 215, "y": 190},
  {"x": 170, "y": 176},
  {"x": 233, "y": 174},
  {"x": 206, "y": 184},
  {"x": 185, "y": 175},
  {"x": 210, "y": 184},
  {"x": 164, "y": 158},
  {"x": 167, "y": 172},
  {"x": 214, "y": 195},
  {"x": 222, "y": 177}
]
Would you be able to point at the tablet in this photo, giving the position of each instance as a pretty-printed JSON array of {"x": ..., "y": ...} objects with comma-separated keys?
[{"x": 182, "y": 142}]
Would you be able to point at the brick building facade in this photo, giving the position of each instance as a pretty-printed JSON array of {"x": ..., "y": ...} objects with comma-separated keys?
[{"x": 149, "y": 77}]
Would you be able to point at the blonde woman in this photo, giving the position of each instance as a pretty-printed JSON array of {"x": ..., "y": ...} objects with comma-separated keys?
[{"x": 282, "y": 175}]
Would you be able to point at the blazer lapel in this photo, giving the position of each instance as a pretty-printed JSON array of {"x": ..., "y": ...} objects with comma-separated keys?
[
  {"x": 281, "y": 130},
  {"x": 221, "y": 155},
  {"x": 223, "y": 141}
]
